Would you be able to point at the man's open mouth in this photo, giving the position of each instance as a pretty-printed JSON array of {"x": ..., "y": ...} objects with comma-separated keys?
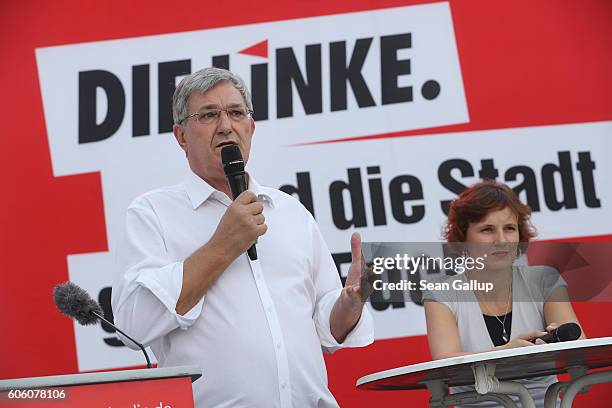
[{"x": 226, "y": 143}]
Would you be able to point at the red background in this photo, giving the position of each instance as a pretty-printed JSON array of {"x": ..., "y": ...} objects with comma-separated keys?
[{"x": 524, "y": 63}]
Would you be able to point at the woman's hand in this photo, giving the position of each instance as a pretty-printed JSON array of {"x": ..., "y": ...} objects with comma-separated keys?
[
  {"x": 523, "y": 340},
  {"x": 549, "y": 328}
]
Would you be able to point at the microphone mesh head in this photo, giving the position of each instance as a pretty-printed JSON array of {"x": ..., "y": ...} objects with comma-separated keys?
[
  {"x": 232, "y": 159},
  {"x": 569, "y": 332},
  {"x": 75, "y": 302}
]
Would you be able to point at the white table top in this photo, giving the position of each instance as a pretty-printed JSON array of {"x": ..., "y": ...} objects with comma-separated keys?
[
  {"x": 102, "y": 377},
  {"x": 511, "y": 364}
]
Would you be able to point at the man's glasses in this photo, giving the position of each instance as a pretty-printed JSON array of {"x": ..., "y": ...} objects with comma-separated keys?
[{"x": 237, "y": 114}]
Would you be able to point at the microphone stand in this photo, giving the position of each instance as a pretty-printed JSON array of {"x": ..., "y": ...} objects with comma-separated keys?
[{"x": 101, "y": 317}]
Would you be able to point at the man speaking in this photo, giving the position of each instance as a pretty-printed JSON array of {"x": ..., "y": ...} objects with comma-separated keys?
[{"x": 187, "y": 288}]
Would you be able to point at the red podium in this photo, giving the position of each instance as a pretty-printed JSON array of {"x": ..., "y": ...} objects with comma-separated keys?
[{"x": 168, "y": 387}]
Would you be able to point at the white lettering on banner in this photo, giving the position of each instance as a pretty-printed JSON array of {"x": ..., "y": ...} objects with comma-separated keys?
[{"x": 103, "y": 113}]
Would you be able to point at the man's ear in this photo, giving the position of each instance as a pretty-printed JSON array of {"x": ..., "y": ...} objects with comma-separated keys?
[{"x": 179, "y": 135}]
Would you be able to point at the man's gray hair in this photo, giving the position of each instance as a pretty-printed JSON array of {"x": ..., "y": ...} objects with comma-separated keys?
[{"x": 201, "y": 81}]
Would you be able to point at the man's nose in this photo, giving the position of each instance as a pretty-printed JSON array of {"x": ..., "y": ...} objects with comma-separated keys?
[{"x": 224, "y": 124}]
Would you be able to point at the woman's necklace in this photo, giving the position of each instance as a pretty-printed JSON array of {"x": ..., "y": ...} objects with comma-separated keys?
[{"x": 505, "y": 336}]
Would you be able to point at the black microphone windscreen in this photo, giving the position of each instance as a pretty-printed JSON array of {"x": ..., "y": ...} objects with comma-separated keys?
[
  {"x": 569, "y": 332},
  {"x": 232, "y": 159},
  {"x": 75, "y": 302}
]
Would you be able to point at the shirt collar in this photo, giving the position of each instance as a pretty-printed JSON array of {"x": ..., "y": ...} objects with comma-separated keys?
[{"x": 199, "y": 191}]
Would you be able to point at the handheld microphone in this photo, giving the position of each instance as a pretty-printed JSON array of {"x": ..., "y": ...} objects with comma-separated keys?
[
  {"x": 75, "y": 302},
  {"x": 565, "y": 332},
  {"x": 233, "y": 166}
]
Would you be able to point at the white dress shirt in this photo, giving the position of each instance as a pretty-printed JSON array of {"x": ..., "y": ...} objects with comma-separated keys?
[{"x": 258, "y": 332}]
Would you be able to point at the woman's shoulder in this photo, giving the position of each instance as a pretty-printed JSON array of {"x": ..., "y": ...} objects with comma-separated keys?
[
  {"x": 543, "y": 278},
  {"x": 538, "y": 273}
]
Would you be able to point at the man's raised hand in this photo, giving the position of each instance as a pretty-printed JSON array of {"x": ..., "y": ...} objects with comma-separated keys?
[{"x": 358, "y": 285}]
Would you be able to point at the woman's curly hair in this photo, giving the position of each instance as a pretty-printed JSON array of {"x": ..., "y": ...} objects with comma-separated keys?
[{"x": 477, "y": 201}]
